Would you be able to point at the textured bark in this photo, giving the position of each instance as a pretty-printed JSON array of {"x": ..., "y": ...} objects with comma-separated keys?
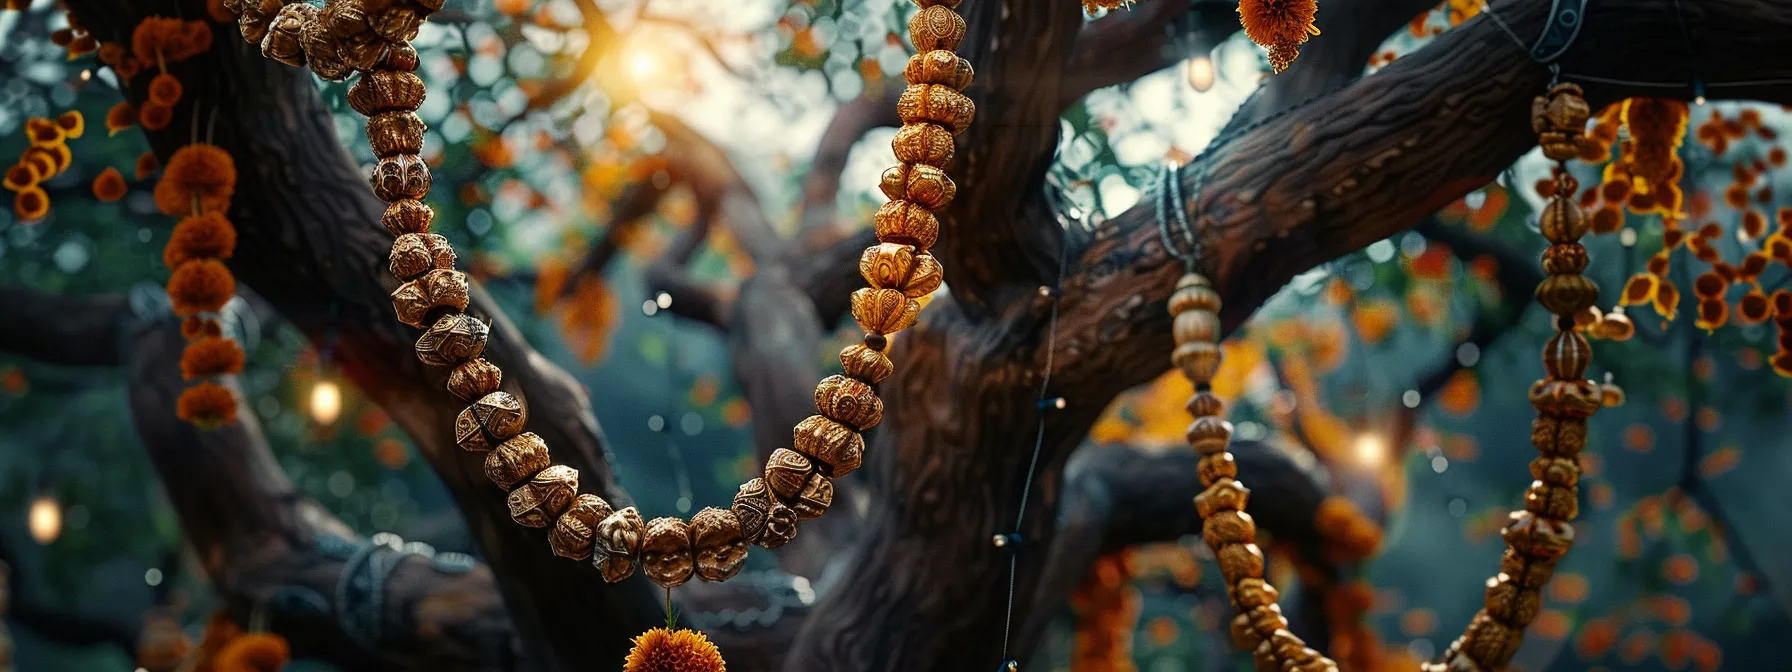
[{"x": 309, "y": 242}]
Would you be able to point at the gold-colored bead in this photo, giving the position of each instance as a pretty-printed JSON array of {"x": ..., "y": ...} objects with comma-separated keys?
[
  {"x": 573, "y": 532},
  {"x": 1225, "y": 494},
  {"x": 1209, "y": 434},
  {"x": 516, "y": 460},
  {"x": 1559, "y": 437},
  {"x": 1195, "y": 326},
  {"x": 438, "y": 290},
  {"x": 780, "y": 526},
  {"x": 492, "y": 420},
  {"x": 407, "y": 216},
  {"x": 1527, "y": 571},
  {"x": 1567, "y": 294},
  {"x": 1228, "y": 527},
  {"x": 1265, "y": 620},
  {"x": 1240, "y": 561},
  {"x": 1199, "y": 360},
  {"x": 321, "y": 50},
  {"x": 835, "y": 449},
  {"x": 386, "y": 91},
  {"x": 866, "y": 364},
  {"x": 1194, "y": 292},
  {"x": 932, "y": 104},
  {"x": 282, "y": 40},
  {"x": 907, "y": 223},
  {"x": 1216, "y": 467},
  {"x": 901, "y": 267},
  {"x": 402, "y": 57},
  {"x": 936, "y": 28},
  {"x": 939, "y": 67},
  {"x": 786, "y": 472},
  {"x": 547, "y": 494},
  {"x": 1561, "y": 221},
  {"x": 257, "y": 18},
  {"x": 453, "y": 338},
  {"x": 1243, "y": 635},
  {"x": 1252, "y": 593},
  {"x": 414, "y": 254},
  {"x": 1565, "y": 259},
  {"x": 1552, "y": 501},
  {"x": 1490, "y": 642},
  {"x": 474, "y": 378},
  {"x": 814, "y": 499},
  {"x": 751, "y": 506},
  {"x": 1558, "y": 471},
  {"x": 396, "y": 132},
  {"x": 617, "y": 545},
  {"x": 1536, "y": 536},
  {"x": 849, "y": 402},
  {"x": 1511, "y": 603},
  {"x": 1571, "y": 399},
  {"x": 923, "y": 144},
  {"x": 1567, "y": 356},
  {"x": 400, "y": 177},
  {"x": 666, "y": 556},
  {"x": 922, "y": 184},
  {"x": 716, "y": 542},
  {"x": 884, "y": 311}
]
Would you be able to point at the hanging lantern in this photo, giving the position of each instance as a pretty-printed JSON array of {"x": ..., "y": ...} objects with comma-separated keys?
[
  {"x": 1200, "y": 73},
  {"x": 45, "y": 519},
  {"x": 326, "y": 401}
]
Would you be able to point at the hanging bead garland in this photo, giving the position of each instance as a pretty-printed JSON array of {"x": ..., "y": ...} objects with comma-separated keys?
[
  {"x": 1537, "y": 537},
  {"x": 348, "y": 36}
]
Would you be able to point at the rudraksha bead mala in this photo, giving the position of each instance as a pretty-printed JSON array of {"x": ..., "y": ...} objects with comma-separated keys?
[
  {"x": 371, "y": 37},
  {"x": 1537, "y": 537},
  {"x": 1259, "y": 626}
]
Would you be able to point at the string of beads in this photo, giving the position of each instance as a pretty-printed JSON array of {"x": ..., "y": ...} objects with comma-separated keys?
[{"x": 371, "y": 37}]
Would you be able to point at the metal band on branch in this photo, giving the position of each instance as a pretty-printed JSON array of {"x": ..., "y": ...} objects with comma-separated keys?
[{"x": 370, "y": 37}]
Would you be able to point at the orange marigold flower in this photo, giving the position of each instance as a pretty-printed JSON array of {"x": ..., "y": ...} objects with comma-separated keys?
[
  {"x": 662, "y": 650},
  {"x": 1281, "y": 25},
  {"x": 147, "y": 165},
  {"x": 127, "y": 68},
  {"x": 31, "y": 203},
  {"x": 1713, "y": 313},
  {"x": 1753, "y": 308},
  {"x": 72, "y": 123},
  {"x": 164, "y": 89},
  {"x": 120, "y": 117},
  {"x": 209, "y": 405},
  {"x": 211, "y": 356},
  {"x": 43, "y": 132},
  {"x": 41, "y": 159},
  {"x": 194, "y": 328},
  {"x": 207, "y": 236},
  {"x": 162, "y": 40},
  {"x": 109, "y": 186},
  {"x": 22, "y": 175},
  {"x": 155, "y": 117},
  {"x": 111, "y": 53},
  {"x": 203, "y": 286},
  {"x": 60, "y": 156},
  {"x": 197, "y": 171}
]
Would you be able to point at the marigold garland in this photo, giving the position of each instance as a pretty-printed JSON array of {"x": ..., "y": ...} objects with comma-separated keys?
[
  {"x": 207, "y": 405},
  {"x": 200, "y": 286},
  {"x": 197, "y": 171},
  {"x": 662, "y": 650},
  {"x": 207, "y": 236},
  {"x": 1279, "y": 25},
  {"x": 211, "y": 356},
  {"x": 198, "y": 183}
]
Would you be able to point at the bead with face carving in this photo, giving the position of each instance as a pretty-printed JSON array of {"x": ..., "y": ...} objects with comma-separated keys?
[
  {"x": 574, "y": 530},
  {"x": 617, "y": 544},
  {"x": 716, "y": 540},
  {"x": 491, "y": 420},
  {"x": 666, "y": 552},
  {"x": 435, "y": 291},
  {"x": 400, "y": 177},
  {"x": 516, "y": 460},
  {"x": 453, "y": 338}
]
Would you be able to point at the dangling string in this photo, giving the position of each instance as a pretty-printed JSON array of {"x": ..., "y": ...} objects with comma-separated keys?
[
  {"x": 1183, "y": 245},
  {"x": 1011, "y": 541}
]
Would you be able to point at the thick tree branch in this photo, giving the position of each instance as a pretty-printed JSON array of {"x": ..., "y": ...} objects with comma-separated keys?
[{"x": 59, "y": 330}]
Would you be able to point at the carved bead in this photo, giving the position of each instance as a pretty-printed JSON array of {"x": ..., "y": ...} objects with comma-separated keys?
[
  {"x": 1565, "y": 259},
  {"x": 902, "y": 267},
  {"x": 1209, "y": 434},
  {"x": 257, "y": 17},
  {"x": 1194, "y": 292},
  {"x": 866, "y": 364},
  {"x": 493, "y": 419},
  {"x": 1537, "y": 536},
  {"x": 1559, "y": 437},
  {"x": 281, "y": 42},
  {"x": 321, "y": 51},
  {"x": 1265, "y": 620},
  {"x": 1204, "y": 404},
  {"x": 1240, "y": 561},
  {"x": 751, "y": 506},
  {"x": 617, "y": 544},
  {"x": 474, "y": 378},
  {"x": 1228, "y": 527},
  {"x": 1285, "y": 644},
  {"x": 396, "y": 132},
  {"x": 835, "y": 449},
  {"x": 1552, "y": 501},
  {"x": 574, "y": 530},
  {"x": 453, "y": 338},
  {"x": 936, "y": 28},
  {"x": 849, "y": 402},
  {"x": 1566, "y": 398},
  {"x": 1564, "y": 108},
  {"x": 907, "y": 223},
  {"x": 780, "y": 526},
  {"x": 923, "y": 184},
  {"x": 1512, "y": 603},
  {"x": 1253, "y": 593},
  {"x": 939, "y": 67},
  {"x": 1243, "y": 636},
  {"x": 926, "y": 103},
  {"x": 666, "y": 556},
  {"x": 400, "y": 57},
  {"x": 815, "y": 498},
  {"x": 1567, "y": 356},
  {"x": 357, "y": 44},
  {"x": 398, "y": 22},
  {"x": 1557, "y": 472},
  {"x": 414, "y": 254},
  {"x": 1224, "y": 495},
  {"x": 884, "y": 311},
  {"x": 717, "y": 544},
  {"x": 1562, "y": 221},
  {"x": 1491, "y": 642},
  {"x": 1567, "y": 294},
  {"x": 436, "y": 290},
  {"x": 924, "y": 144},
  {"x": 786, "y": 472},
  {"x": 1195, "y": 326},
  {"x": 547, "y": 494},
  {"x": 404, "y": 176},
  {"x": 516, "y": 460},
  {"x": 1213, "y": 468},
  {"x": 1526, "y": 571},
  {"x": 407, "y": 216},
  {"x": 1199, "y": 361},
  {"x": 386, "y": 91}
]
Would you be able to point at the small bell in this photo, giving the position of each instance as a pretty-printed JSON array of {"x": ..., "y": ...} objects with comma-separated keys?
[{"x": 1610, "y": 395}]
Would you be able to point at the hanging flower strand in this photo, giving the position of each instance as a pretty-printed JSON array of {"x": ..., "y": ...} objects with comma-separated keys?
[
  {"x": 197, "y": 186},
  {"x": 1279, "y": 25}
]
